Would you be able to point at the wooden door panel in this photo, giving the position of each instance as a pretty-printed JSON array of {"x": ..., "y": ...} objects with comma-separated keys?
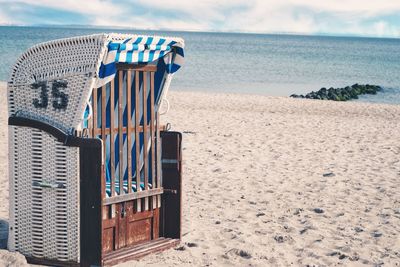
[
  {"x": 108, "y": 239},
  {"x": 139, "y": 231}
]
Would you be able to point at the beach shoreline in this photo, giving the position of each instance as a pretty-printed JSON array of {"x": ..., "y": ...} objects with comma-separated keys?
[{"x": 275, "y": 181}]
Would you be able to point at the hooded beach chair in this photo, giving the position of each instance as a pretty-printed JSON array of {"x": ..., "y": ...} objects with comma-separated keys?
[{"x": 95, "y": 179}]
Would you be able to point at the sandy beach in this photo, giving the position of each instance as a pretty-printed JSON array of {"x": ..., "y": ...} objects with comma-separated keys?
[{"x": 274, "y": 181}]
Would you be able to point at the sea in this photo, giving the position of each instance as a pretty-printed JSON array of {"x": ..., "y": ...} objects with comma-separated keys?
[{"x": 267, "y": 64}]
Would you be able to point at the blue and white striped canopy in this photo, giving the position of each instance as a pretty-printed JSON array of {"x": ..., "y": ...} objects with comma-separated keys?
[{"x": 140, "y": 49}]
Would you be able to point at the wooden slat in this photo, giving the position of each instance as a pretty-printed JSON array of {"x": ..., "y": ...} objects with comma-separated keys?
[
  {"x": 117, "y": 215},
  {"x": 103, "y": 118},
  {"x": 140, "y": 216},
  {"x": 128, "y": 251},
  {"x": 158, "y": 150},
  {"x": 156, "y": 224},
  {"x": 112, "y": 145},
  {"x": 120, "y": 134},
  {"x": 132, "y": 249},
  {"x": 141, "y": 67},
  {"x": 105, "y": 212},
  {"x": 122, "y": 227},
  {"x": 109, "y": 223},
  {"x": 137, "y": 143},
  {"x": 145, "y": 141},
  {"x": 103, "y": 134},
  {"x": 152, "y": 133},
  {"x": 124, "y": 129},
  {"x": 154, "y": 202},
  {"x": 153, "y": 144},
  {"x": 94, "y": 109},
  {"x": 129, "y": 126},
  {"x": 134, "y": 254},
  {"x": 158, "y": 156},
  {"x": 133, "y": 195}
]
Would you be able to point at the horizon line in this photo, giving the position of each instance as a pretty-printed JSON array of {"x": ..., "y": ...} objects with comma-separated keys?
[{"x": 109, "y": 27}]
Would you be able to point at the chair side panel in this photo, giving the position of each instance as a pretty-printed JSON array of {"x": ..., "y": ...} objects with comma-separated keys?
[
  {"x": 52, "y": 81},
  {"x": 44, "y": 196}
]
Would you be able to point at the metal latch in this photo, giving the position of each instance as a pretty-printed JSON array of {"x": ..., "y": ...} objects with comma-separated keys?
[
  {"x": 171, "y": 191},
  {"x": 170, "y": 161}
]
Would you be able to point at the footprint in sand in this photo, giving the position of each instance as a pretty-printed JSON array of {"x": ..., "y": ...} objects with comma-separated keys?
[
  {"x": 238, "y": 252},
  {"x": 191, "y": 245}
]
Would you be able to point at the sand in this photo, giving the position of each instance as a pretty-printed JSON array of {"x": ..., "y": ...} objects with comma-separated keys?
[{"x": 273, "y": 181}]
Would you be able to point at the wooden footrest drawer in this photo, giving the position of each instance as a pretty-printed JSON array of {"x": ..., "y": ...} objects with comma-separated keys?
[{"x": 138, "y": 251}]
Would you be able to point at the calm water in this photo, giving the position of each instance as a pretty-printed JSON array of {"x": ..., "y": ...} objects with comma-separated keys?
[{"x": 266, "y": 64}]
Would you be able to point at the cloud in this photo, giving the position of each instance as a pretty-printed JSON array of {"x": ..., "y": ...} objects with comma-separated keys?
[
  {"x": 354, "y": 7},
  {"x": 88, "y": 7},
  {"x": 261, "y": 16},
  {"x": 6, "y": 19}
]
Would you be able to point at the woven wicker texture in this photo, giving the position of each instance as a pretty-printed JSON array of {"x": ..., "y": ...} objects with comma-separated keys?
[
  {"x": 73, "y": 61},
  {"x": 44, "y": 221}
]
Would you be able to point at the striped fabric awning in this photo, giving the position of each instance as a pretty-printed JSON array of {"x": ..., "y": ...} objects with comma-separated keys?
[{"x": 140, "y": 49}]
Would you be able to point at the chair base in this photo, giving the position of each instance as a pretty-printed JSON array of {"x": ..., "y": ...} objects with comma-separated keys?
[
  {"x": 119, "y": 256},
  {"x": 50, "y": 262},
  {"x": 138, "y": 251}
]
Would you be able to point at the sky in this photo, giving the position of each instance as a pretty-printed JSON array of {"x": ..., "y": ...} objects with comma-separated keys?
[{"x": 376, "y": 18}]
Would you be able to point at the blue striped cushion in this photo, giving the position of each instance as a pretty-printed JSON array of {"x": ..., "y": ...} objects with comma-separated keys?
[{"x": 108, "y": 187}]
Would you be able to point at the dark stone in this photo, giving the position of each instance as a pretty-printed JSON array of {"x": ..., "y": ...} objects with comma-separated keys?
[
  {"x": 341, "y": 94},
  {"x": 355, "y": 257},
  {"x": 244, "y": 254},
  {"x": 376, "y": 234},
  {"x": 318, "y": 210},
  {"x": 191, "y": 245},
  {"x": 303, "y": 230},
  {"x": 334, "y": 253},
  {"x": 279, "y": 239},
  {"x": 358, "y": 229},
  {"x": 180, "y": 248},
  {"x": 328, "y": 174}
]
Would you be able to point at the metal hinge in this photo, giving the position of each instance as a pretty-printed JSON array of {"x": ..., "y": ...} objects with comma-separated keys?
[{"x": 171, "y": 191}]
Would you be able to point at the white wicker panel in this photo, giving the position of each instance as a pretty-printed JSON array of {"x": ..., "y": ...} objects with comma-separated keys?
[
  {"x": 12, "y": 189},
  {"x": 11, "y": 101},
  {"x": 64, "y": 119},
  {"x": 37, "y": 174},
  {"x": 20, "y": 193},
  {"x": 66, "y": 204},
  {"x": 75, "y": 60},
  {"x": 45, "y": 221}
]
